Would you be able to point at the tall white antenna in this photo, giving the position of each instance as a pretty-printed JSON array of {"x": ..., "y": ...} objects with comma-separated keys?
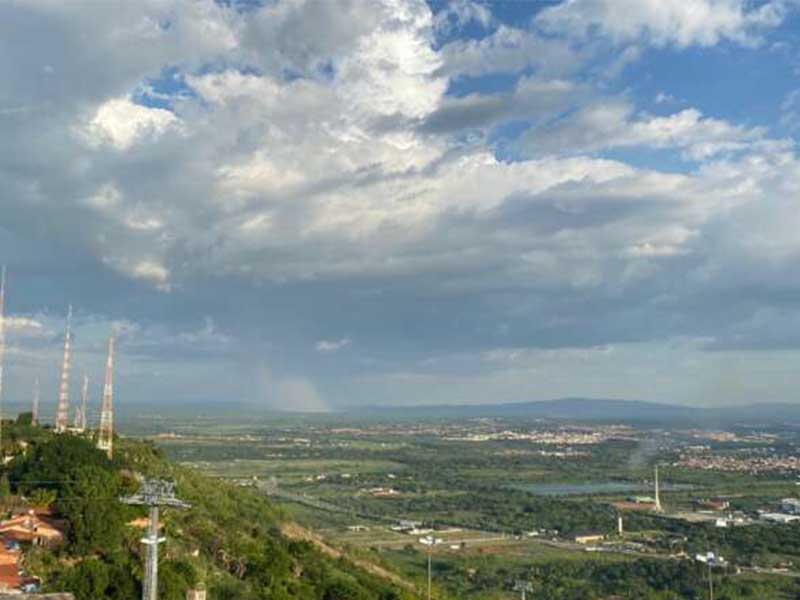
[
  {"x": 657, "y": 505},
  {"x": 62, "y": 416},
  {"x": 80, "y": 424},
  {"x": 105, "y": 437}
]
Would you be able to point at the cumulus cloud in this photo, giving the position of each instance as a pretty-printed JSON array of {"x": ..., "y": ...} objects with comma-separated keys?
[
  {"x": 613, "y": 125},
  {"x": 303, "y": 168},
  {"x": 121, "y": 123},
  {"x": 666, "y": 22}
]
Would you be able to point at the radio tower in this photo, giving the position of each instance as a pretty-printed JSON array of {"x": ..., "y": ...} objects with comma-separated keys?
[
  {"x": 105, "y": 438},
  {"x": 154, "y": 493},
  {"x": 80, "y": 411},
  {"x": 2, "y": 346},
  {"x": 35, "y": 411},
  {"x": 62, "y": 416}
]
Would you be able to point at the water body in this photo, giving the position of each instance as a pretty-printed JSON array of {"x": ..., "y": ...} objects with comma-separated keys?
[{"x": 595, "y": 487}]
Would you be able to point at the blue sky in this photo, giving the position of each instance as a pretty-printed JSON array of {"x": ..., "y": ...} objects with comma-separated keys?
[{"x": 306, "y": 205}]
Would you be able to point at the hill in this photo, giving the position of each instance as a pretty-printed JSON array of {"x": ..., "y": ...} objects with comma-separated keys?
[
  {"x": 230, "y": 541},
  {"x": 597, "y": 410}
]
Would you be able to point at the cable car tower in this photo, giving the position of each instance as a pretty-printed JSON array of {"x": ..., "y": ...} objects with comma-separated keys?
[{"x": 154, "y": 493}]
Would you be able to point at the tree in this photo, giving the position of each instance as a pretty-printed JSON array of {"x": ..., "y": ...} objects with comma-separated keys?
[
  {"x": 343, "y": 589},
  {"x": 5, "y": 487},
  {"x": 90, "y": 502},
  {"x": 174, "y": 578},
  {"x": 88, "y": 580},
  {"x": 25, "y": 419}
]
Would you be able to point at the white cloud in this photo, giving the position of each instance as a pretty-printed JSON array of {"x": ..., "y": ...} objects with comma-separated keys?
[
  {"x": 332, "y": 345},
  {"x": 666, "y": 22},
  {"x": 25, "y": 326},
  {"x": 510, "y": 49},
  {"x": 121, "y": 123},
  {"x": 151, "y": 271},
  {"x": 613, "y": 125},
  {"x": 311, "y": 152},
  {"x": 459, "y": 13}
]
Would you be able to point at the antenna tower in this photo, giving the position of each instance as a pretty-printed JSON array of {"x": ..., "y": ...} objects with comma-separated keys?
[
  {"x": 154, "y": 493},
  {"x": 80, "y": 411},
  {"x": 657, "y": 505},
  {"x": 35, "y": 410},
  {"x": 62, "y": 416},
  {"x": 105, "y": 438}
]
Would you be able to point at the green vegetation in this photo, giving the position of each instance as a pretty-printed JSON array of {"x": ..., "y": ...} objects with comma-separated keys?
[
  {"x": 230, "y": 541},
  {"x": 450, "y": 474}
]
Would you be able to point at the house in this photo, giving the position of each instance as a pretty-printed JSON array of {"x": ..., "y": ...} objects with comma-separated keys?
[
  {"x": 62, "y": 596},
  {"x": 10, "y": 578},
  {"x": 32, "y": 528}
]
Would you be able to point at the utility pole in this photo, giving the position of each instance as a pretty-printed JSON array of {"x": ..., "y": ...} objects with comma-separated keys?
[
  {"x": 523, "y": 587},
  {"x": 429, "y": 573},
  {"x": 430, "y": 551},
  {"x": 154, "y": 493},
  {"x": 710, "y": 583}
]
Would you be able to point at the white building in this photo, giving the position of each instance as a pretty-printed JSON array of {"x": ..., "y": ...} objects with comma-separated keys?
[
  {"x": 790, "y": 506},
  {"x": 781, "y": 518}
]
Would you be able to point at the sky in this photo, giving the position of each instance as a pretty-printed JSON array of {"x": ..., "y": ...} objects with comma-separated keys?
[{"x": 315, "y": 204}]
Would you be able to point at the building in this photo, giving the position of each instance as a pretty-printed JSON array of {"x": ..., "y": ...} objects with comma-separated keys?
[
  {"x": 715, "y": 504},
  {"x": 589, "y": 538},
  {"x": 711, "y": 559},
  {"x": 780, "y": 518},
  {"x": 790, "y": 506},
  {"x": 32, "y": 528},
  {"x": 641, "y": 499},
  {"x": 405, "y": 526},
  {"x": 60, "y": 596},
  {"x": 10, "y": 578}
]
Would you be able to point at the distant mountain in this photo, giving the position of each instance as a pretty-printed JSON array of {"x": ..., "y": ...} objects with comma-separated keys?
[{"x": 598, "y": 410}]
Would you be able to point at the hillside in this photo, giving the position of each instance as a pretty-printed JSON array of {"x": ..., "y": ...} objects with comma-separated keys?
[
  {"x": 230, "y": 541},
  {"x": 597, "y": 410}
]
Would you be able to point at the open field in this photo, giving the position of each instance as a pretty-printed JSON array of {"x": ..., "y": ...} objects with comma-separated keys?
[{"x": 506, "y": 500}]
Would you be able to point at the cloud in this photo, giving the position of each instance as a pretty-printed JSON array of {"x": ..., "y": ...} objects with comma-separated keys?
[
  {"x": 332, "y": 345},
  {"x": 508, "y": 50},
  {"x": 531, "y": 100},
  {"x": 302, "y": 168},
  {"x": 666, "y": 22},
  {"x": 121, "y": 123},
  {"x": 608, "y": 125},
  {"x": 459, "y": 13}
]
